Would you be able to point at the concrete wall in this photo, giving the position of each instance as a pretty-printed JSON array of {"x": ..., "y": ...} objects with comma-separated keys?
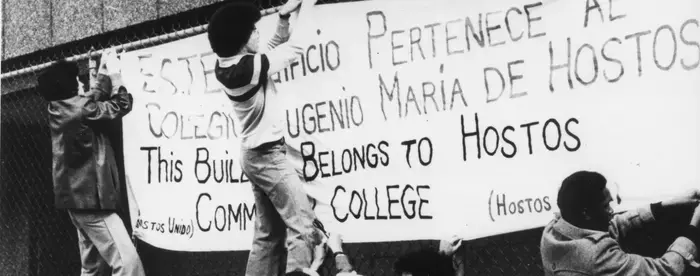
[{"x": 32, "y": 25}]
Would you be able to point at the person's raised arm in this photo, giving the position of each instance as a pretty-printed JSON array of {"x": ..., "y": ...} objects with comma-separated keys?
[
  {"x": 612, "y": 260},
  {"x": 623, "y": 223},
  {"x": 282, "y": 32},
  {"x": 286, "y": 53},
  {"x": 681, "y": 254},
  {"x": 120, "y": 101},
  {"x": 108, "y": 77},
  {"x": 116, "y": 107},
  {"x": 342, "y": 263},
  {"x": 304, "y": 18},
  {"x": 100, "y": 89}
]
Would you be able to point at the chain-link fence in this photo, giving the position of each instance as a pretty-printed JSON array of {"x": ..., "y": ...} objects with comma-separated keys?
[{"x": 37, "y": 239}]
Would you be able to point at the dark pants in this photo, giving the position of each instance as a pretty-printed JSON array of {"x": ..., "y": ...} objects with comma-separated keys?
[{"x": 284, "y": 213}]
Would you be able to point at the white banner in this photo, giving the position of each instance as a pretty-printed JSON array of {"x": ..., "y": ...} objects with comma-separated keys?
[{"x": 421, "y": 119}]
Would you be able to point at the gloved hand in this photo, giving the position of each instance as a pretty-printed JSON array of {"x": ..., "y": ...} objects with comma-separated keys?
[{"x": 111, "y": 66}]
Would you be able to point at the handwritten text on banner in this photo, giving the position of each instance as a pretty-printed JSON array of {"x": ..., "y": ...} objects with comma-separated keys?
[{"x": 420, "y": 119}]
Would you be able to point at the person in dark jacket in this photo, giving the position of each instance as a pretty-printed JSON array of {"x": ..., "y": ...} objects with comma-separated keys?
[
  {"x": 586, "y": 238},
  {"x": 85, "y": 178}
]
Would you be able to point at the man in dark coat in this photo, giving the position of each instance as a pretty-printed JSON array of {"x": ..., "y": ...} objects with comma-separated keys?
[{"x": 85, "y": 177}]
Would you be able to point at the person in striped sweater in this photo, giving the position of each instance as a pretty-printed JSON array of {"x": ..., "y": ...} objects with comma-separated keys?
[{"x": 284, "y": 213}]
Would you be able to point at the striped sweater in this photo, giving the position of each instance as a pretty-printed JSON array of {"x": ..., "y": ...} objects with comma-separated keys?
[{"x": 247, "y": 83}]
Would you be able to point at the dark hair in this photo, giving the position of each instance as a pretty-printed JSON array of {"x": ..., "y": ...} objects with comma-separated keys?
[
  {"x": 581, "y": 190},
  {"x": 231, "y": 26},
  {"x": 296, "y": 273},
  {"x": 424, "y": 263},
  {"x": 58, "y": 82}
]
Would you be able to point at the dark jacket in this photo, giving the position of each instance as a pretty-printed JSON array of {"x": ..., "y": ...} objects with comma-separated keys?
[
  {"x": 569, "y": 250},
  {"x": 85, "y": 173}
]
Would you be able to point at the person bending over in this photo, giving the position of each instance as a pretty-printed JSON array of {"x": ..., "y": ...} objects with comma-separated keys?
[{"x": 585, "y": 238}]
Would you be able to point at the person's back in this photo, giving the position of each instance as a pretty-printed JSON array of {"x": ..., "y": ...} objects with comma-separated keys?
[
  {"x": 567, "y": 250},
  {"x": 85, "y": 175},
  {"x": 84, "y": 167},
  {"x": 585, "y": 238}
]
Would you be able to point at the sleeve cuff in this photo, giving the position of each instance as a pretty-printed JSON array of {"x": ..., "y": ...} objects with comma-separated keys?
[
  {"x": 687, "y": 249},
  {"x": 647, "y": 214},
  {"x": 657, "y": 211}
]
